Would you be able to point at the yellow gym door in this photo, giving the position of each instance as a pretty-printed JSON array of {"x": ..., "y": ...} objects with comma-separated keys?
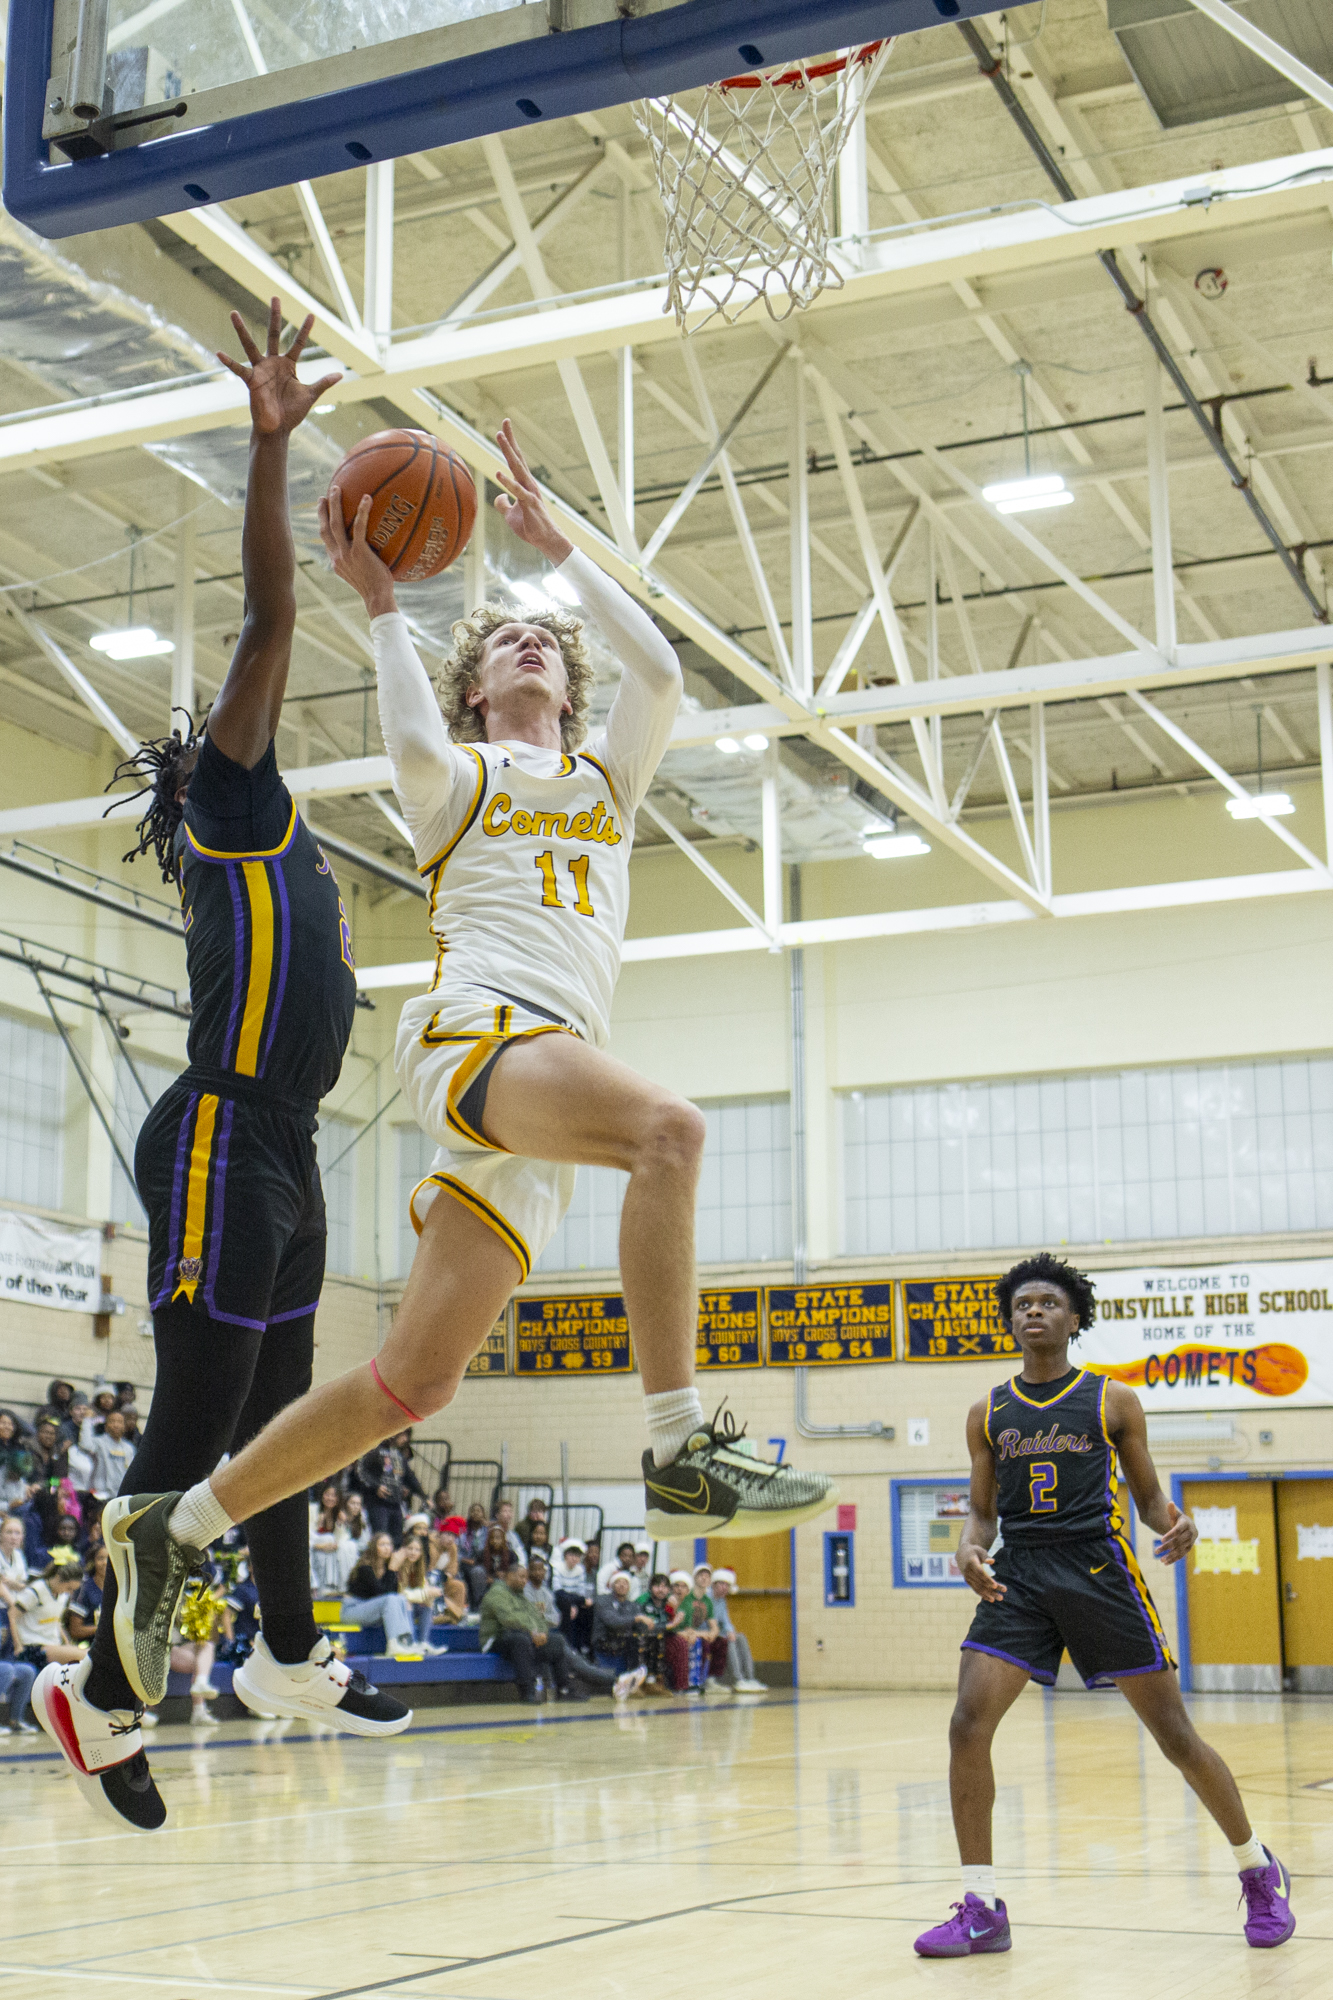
[
  {"x": 761, "y": 1601},
  {"x": 1305, "y": 1551},
  {"x": 1235, "y": 1626}
]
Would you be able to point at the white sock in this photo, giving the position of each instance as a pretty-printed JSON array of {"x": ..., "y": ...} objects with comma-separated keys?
[
  {"x": 980, "y": 1882},
  {"x": 1251, "y": 1854},
  {"x": 198, "y": 1517},
  {"x": 671, "y": 1417}
]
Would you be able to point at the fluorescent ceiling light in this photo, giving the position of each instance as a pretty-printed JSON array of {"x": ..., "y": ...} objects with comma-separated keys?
[
  {"x": 132, "y": 642},
  {"x": 531, "y": 593},
  {"x": 728, "y": 745},
  {"x": 561, "y": 587},
  {"x": 894, "y": 846},
  {"x": 325, "y": 409},
  {"x": 755, "y": 742},
  {"x": 1264, "y": 805},
  {"x": 1026, "y": 496}
]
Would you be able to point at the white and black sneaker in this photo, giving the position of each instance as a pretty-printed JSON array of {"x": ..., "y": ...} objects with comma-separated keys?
[
  {"x": 717, "y": 1483},
  {"x": 321, "y": 1689},
  {"x": 102, "y": 1747}
]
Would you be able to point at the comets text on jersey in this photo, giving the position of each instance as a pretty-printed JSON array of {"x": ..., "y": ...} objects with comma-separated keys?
[{"x": 503, "y": 816}]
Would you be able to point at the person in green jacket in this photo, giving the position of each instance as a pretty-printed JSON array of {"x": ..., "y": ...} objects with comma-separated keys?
[{"x": 515, "y": 1628}]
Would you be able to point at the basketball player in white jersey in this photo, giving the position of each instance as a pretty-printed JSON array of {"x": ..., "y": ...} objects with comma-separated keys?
[{"x": 524, "y": 836}]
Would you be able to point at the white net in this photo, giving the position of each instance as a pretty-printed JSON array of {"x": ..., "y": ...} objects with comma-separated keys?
[{"x": 745, "y": 171}]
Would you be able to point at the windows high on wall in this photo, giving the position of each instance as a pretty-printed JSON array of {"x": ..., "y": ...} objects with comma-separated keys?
[
  {"x": 743, "y": 1214},
  {"x": 1210, "y": 1150},
  {"x": 32, "y": 1113}
]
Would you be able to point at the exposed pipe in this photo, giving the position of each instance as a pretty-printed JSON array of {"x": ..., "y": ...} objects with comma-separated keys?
[
  {"x": 991, "y": 67},
  {"x": 799, "y": 1244}
]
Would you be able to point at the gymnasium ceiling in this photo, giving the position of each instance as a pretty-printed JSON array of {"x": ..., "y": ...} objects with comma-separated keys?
[{"x": 922, "y": 374}]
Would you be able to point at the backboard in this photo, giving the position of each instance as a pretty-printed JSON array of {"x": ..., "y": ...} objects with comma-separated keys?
[{"x": 118, "y": 110}]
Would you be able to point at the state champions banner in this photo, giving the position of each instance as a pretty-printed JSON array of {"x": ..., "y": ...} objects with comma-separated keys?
[
  {"x": 1222, "y": 1336},
  {"x": 572, "y": 1336}
]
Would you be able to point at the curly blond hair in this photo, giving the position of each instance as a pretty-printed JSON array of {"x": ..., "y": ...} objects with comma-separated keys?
[{"x": 461, "y": 672}]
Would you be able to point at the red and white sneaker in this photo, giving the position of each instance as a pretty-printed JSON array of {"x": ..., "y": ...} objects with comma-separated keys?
[
  {"x": 320, "y": 1689},
  {"x": 102, "y": 1747}
]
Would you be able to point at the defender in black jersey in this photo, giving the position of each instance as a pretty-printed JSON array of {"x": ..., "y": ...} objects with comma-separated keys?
[
  {"x": 225, "y": 1162},
  {"x": 1045, "y": 1449}
]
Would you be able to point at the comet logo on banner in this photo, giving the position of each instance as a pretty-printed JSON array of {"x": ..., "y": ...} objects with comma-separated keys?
[{"x": 1216, "y": 1337}]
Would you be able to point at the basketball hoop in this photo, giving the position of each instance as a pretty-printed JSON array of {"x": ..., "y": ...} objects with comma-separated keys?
[{"x": 745, "y": 178}]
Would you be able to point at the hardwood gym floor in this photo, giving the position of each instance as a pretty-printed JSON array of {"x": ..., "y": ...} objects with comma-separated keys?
[{"x": 785, "y": 1849}]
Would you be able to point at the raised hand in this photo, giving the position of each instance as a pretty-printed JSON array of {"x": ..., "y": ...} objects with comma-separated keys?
[
  {"x": 279, "y": 399},
  {"x": 524, "y": 510}
]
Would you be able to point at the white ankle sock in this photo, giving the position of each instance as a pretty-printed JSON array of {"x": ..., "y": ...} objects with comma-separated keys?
[
  {"x": 980, "y": 1882},
  {"x": 1251, "y": 1855},
  {"x": 671, "y": 1417},
  {"x": 198, "y": 1517}
]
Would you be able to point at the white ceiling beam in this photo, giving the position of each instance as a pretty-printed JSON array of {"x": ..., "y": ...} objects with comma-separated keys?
[
  {"x": 580, "y": 402},
  {"x": 907, "y": 923},
  {"x": 1228, "y": 783},
  {"x": 968, "y": 694},
  {"x": 1033, "y": 237}
]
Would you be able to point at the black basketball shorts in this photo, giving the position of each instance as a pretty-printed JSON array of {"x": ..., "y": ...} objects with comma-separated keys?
[
  {"x": 236, "y": 1225},
  {"x": 1086, "y": 1596}
]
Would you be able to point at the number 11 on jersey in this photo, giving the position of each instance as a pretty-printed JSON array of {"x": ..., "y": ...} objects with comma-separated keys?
[{"x": 578, "y": 868}]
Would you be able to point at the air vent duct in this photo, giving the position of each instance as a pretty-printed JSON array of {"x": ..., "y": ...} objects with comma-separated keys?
[{"x": 1190, "y": 70}]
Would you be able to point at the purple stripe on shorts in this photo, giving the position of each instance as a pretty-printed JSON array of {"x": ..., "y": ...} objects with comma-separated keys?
[
  {"x": 238, "y": 911},
  {"x": 1110, "y": 1675},
  {"x": 1159, "y": 1657},
  {"x": 971, "y": 1646},
  {"x": 219, "y": 1207},
  {"x": 284, "y": 952},
  {"x": 297, "y": 1312},
  {"x": 177, "y": 1186}
]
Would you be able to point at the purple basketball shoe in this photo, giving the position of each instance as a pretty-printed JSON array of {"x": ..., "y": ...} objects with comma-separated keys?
[
  {"x": 1267, "y": 1894},
  {"x": 973, "y": 1927}
]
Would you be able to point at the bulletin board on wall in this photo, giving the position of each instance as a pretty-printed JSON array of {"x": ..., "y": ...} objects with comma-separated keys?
[{"x": 927, "y": 1518}]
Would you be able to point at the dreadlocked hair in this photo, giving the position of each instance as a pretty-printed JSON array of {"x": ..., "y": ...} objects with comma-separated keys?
[
  {"x": 159, "y": 763},
  {"x": 1077, "y": 1286}
]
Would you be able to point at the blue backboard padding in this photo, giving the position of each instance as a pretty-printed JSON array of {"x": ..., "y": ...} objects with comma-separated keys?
[{"x": 587, "y": 69}]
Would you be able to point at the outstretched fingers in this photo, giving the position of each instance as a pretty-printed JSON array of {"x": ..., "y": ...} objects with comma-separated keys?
[
  {"x": 301, "y": 337},
  {"x": 332, "y": 529},
  {"x": 247, "y": 342},
  {"x": 274, "y": 326},
  {"x": 514, "y": 459}
]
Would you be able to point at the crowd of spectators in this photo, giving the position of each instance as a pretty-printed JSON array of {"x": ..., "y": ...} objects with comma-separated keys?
[
  {"x": 395, "y": 1562},
  {"x": 569, "y": 1623},
  {"x": 58, "y": 1468}
]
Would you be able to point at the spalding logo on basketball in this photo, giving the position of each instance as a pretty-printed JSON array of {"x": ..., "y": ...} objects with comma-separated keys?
[{"x": 422, "y": 501}]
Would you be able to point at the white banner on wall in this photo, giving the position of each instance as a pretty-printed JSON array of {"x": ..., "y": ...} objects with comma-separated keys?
[
  {"x": 46, "y": 1264},
  {"x": 1217, "y": 1336}
]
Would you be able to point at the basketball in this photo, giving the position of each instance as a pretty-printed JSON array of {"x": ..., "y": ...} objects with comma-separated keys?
[{"x": 422, "y": 500}]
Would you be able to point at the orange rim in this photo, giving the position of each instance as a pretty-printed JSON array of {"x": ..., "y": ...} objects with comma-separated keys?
[{"x": 798, "y": 78}]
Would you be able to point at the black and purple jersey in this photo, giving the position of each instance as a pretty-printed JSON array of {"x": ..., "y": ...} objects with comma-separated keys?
[{"x": 1055, "y": 1471}]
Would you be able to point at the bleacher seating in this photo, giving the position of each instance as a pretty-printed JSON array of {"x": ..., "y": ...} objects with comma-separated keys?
[{"x": 463, "y": 1661}]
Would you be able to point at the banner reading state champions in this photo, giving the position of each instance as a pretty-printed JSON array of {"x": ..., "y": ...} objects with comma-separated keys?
[
  {"x": 829, "y": 1326},
  {"x": 568, "y": 1336},
  {"x": 954, "y": 1319},
  {"x": 1226, "y": 1336},
  {"x": 728, "y": 1330}
]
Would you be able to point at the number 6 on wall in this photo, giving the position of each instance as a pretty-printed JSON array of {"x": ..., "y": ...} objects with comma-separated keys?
[{"x": 1041, "y": 1487}]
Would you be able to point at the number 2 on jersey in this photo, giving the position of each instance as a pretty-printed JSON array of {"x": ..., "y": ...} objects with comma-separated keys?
[
  {"x": 1041, "y": 1487},
  {"x": 578, "y": 868}
]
